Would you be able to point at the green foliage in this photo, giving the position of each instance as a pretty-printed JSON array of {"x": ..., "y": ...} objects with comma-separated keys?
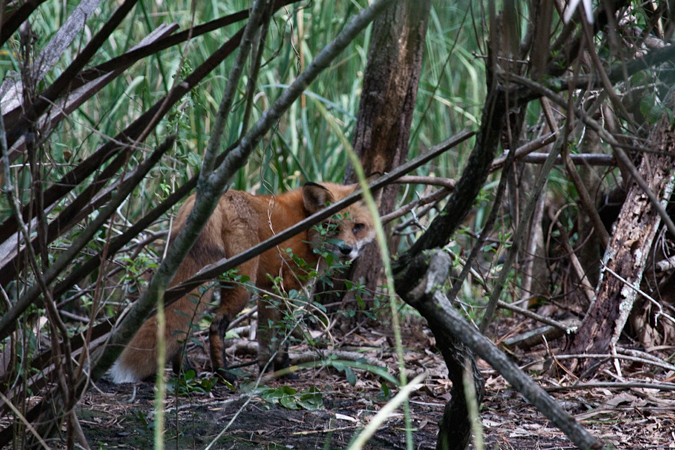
[
  {"x": 653, "y": 110},
  {"x": 288, "y": 397},
  {"x": 360, "y": 364},
  {"x": 188, "y": 383}
]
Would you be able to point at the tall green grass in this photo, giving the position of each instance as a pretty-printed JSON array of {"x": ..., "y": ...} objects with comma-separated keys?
[
  {"x": 302, "y": 142},
  {"x": 302, "y": 146}
]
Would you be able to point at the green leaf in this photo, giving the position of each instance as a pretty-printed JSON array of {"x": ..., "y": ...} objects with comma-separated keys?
[
  {"x": 351, "y": 378},
  {"x": 288, "y": 401}
]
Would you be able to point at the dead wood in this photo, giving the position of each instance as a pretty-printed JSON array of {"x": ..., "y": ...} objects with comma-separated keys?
[
  {"x": 458, "y": 340},
  {"x": 248, "y": 347},
  {"x": 626, "y": 256},
  {"x": 18, "y": 121},
  {"x": 534, "y": 337}
]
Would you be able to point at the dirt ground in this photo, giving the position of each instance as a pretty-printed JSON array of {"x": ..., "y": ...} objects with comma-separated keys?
[{"x": 329, "y": 411}]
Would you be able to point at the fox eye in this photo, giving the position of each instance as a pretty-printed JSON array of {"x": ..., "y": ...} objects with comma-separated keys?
[{"x": 358, "y": 227}]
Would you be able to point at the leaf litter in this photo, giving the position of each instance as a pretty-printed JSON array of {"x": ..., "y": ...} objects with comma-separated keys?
[{"x": 322, "y": 409}]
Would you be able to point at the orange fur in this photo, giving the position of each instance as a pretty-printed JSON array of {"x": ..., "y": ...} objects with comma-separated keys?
[{"x": 239, "y": 222}]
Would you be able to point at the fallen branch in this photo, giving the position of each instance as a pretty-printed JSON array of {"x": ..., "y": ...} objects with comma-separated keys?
[
  {"x": 534, "y": 337},
  {"x": 435, "y": 306},
  {"x": 612, "y": 385},
  {"x": 662, "y": 364},
  {"x": 527, "y": 313}
]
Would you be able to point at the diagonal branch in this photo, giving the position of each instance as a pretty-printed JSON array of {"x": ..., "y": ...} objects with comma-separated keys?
[
  {"x": 16, "y": 124},
  {"x": 209, "y": 192},
  {"x": 607, "y": 137},
  {"x": 214, "y": 270},
  {"x": 7, "y": 322}
]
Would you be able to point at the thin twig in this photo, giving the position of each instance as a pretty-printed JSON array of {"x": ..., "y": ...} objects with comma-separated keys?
[
  {"x": 431, "y": 181},
  {"x": 582, "y": 159},
  {"x": 431, "y": 198},
  {"x": 663, "y": 365},
  {"x": 535, "y": 316},
  {"x": 612, "y": 385},
  {"x": 520, "y": 231},
  {"x": 641, "y": 292},
  {"x": 607, "y": 137},
  {"x": 588, "y": 290}
]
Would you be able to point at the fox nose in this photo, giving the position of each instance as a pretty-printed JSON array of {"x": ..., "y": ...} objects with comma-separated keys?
[{"x": 345, "y": 249}]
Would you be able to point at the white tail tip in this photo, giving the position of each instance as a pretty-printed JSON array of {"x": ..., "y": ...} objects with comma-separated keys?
[{"x": 120, "y": 374}]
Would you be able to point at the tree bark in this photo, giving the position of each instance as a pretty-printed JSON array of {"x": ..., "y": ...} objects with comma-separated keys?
[
  {"x": 386, "y": 108},
  {"x": 625, "y": 258}
]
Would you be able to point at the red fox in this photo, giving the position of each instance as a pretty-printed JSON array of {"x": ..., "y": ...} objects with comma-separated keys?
[{"x": 239, "y": 222}]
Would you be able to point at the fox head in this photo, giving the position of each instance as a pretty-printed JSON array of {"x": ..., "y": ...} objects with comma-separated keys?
[{"x": 350, "y": 230}]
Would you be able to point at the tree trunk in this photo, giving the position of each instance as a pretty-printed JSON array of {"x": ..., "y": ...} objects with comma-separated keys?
[
  {"x": 626, "y": 256},
  {"x": 386, "y": 108}
]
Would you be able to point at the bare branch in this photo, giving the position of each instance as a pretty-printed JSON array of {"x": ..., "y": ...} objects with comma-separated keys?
[
  {"x": 438, "y": 310},
  {"x": 607, "y": 137},
  {"x": 212, "y": 187},
  {"x": 7, "y": 320},
  {"x": 212, "y": 271}
]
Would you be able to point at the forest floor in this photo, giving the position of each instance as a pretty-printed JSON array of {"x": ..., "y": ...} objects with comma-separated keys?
[{"x": 322, "y": 410}]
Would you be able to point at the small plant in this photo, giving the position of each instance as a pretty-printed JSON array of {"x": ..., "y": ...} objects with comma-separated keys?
[
  {"x": 310, "y": 399},
  {"x": 188, "y": 383}
]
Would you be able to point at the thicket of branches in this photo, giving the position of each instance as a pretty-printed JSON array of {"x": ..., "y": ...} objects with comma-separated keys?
[{"x": 113, "y": 114}]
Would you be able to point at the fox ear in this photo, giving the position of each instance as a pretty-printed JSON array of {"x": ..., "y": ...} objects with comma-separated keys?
[{"x": 315, "y": 197}]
